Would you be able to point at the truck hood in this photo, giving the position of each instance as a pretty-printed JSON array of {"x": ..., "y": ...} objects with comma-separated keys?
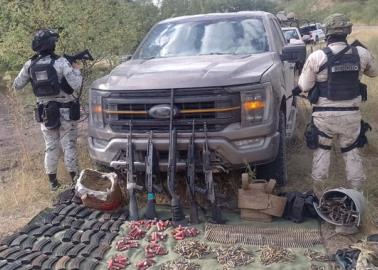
[{"x": 187, "y": 72}]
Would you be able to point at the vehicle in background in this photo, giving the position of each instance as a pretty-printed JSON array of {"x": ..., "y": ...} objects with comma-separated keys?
[
  {"x": 294, "y": 36},
  {"x": 314, "y": 30},
  {"x": 232, "y": 73}
]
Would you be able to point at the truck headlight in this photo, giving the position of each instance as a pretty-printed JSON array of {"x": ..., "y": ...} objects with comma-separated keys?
[
  {"x": 96, "y": 108},
  {"x": 255, "y": 105}
]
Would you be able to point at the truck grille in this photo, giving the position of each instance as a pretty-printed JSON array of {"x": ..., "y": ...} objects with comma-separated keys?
[{"x": 214, "y": 106}]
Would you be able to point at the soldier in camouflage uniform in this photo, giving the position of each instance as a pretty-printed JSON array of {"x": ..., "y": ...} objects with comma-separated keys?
[
  {"x": 44, "y": 70},
  {"x": 336, "y": 111}
]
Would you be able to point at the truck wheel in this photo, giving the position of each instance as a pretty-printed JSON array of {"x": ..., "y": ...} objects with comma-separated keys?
[{"x": 278, "y": 168}]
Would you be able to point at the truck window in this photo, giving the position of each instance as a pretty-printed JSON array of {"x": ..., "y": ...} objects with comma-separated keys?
[
  {"x": 217, "y": 36},
  {"x": 277, "y": 32}
]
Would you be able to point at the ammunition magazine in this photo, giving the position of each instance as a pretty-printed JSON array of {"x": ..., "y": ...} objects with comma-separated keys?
[
  {"x": 74, "y": 264},
  {"x": 75, "y": 211},
  {"x": 2, "y": 264},
  {"x": 88, "y": 250},
  {"x": 66, "y": 210},
  {"x": 116, "y": 226},
  {"x": 40, "y": 244},
  {"x": 29, "y": 228},
  {"x": 58, "y": 220},
  {"x": 8, "y": 239},
  {"x": 3, "y": 247},
  {"x": 95, "y": 215},
  {"x": 19, "y": 240},
  {"x": 97, "y": 226},
  {"x": 76, "y": 250},
  {"x": 62, "y": 263},
  {"x": 63, "y": 249},
  {"x": 77, "y": 224},
  {"x": 49, "y": 263},
  {"x": 12, "y": 266},
  {"x": 106, "y": 226},
  {"x": 89, "y": 224},
  {"x": 39, "y": 232},
  {"x": 48, "y": 218},
  {"x": 100, "y": 252},
  {"x": 16, "y": 256},
  {"x": 30, "y": 257},
  {"x": 76, "y": 238},
  {"x": 9, "y": 251},
  {"x": 67, "y": 236},
  {"x": 67, "y": 222},
  {"x": 28, "y": 243},
  {"x": 108, "y": 239},
  {"x": 84, "y": 213},
  {"x": 38, "y": 261},
  {"x": 86, "y": 236},
  {"x": 53, "y": 230},
  {"x": 49, "y": 248},
  {"x": 96, "y": 238},
  {"x": 57, "y": 209},
  {"x": 89, "y": 265},
  {"x": 106, "y": 216}
]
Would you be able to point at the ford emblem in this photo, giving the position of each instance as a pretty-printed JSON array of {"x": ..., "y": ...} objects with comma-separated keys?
[{"x": 162, "y": 111}]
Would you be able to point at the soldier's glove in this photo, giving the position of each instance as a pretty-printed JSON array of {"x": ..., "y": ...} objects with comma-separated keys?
[{"x": 296, "y": 91}]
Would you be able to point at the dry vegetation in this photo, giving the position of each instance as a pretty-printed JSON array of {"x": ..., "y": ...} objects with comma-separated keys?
[{"x": 25, "y": 191}]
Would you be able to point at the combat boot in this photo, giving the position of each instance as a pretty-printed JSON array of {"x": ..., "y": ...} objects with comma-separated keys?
[
  {"x": 54, "y": 184},
  {"x": 319, "y": 187}
]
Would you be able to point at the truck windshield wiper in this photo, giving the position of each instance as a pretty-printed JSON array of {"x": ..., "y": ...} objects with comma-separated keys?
[{"x": 216, "y": 53}]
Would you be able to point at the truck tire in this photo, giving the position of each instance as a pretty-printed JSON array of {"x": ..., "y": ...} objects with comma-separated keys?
[{"x": 277, "y": 169}]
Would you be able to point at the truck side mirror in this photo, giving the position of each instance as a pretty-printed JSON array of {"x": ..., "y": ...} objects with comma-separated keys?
[
  {"x": 294, "y": 53},
  {"x": 125, "y": 58}
]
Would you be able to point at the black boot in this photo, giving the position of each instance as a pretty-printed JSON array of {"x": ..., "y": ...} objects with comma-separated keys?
[
  {"x": 73, "y": 177},
  {"x": 54, "y": 184}
]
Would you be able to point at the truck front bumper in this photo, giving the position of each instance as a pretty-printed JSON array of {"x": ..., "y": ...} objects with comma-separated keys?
[{"x": 232, "y": 153}]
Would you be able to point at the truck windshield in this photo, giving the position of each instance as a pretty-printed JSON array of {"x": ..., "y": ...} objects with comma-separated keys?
[{"x": 223, "y": 36}]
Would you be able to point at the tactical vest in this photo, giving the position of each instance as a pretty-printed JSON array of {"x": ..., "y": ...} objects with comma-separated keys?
[
  {"x": 44, "y": 78},
  {"x": 343, "y": 76}
]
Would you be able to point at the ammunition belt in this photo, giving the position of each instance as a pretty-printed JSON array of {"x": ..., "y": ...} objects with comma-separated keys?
[{"x": 334, "y": 109}]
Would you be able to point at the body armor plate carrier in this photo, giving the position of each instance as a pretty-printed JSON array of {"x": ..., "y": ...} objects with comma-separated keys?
[
  {"x": 343, "y": 76},
  {"x": 44, "y": 78}
]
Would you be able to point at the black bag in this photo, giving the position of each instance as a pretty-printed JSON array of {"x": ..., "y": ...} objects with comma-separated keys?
[
  {"x": 51, "y": 115},
  {"x": 314, "y": 94},
  {"x": 38, "y": 112},
  {"x": 75, "y": 110},
  {"x": 312, "y": 136},
  {"x": 299, "y": 206}
]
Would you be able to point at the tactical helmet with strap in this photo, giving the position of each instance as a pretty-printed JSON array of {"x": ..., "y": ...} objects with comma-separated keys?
[
  {"x": 338, "y": 24},
  {"x": 44, "y": 40}
]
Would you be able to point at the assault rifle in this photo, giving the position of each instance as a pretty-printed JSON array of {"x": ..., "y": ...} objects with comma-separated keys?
[
  {"x": 216, "y": 214},
  {"x": 149, "y": 182},
  {"x": 191, "y": 178},
  {"x": 83, "y": 55},
  {"x": 178, "y": 216},
  {"x": 130, "y": 178}
]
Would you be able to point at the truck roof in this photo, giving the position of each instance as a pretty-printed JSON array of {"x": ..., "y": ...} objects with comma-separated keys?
[{"x": 200, "y": 17}]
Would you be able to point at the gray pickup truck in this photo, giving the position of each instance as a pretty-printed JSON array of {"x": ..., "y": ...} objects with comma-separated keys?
[{"x": 232, "y": 71}]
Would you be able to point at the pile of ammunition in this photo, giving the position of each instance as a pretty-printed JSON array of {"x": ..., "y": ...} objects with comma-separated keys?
[
  {"x": 270, "y": 254},
  {"x": 233, "y": 257},
  {"x": 145, "y": 264},
  {"x": 118, "y": 262},
  {"x": 181, "y": 233},
  {"x": 340, "y": 210},
  {"x": 180, "y": 264},
  {"x": 316, "y": 256},
  {"x": 191, "y": 249}
]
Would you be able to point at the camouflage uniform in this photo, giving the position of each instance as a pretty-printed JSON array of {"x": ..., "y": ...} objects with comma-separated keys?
[
  {"x": 343, "y": 125},
  {"x": 66, "y": 135}
]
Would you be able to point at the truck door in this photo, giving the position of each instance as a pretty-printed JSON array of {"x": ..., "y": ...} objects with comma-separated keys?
[{"x": 287, "y": 70}]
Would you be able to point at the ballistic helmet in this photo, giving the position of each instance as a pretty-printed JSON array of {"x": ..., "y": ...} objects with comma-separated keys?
[
  {"x": 44, "y": 40},
  {"x": 338, "y": 24}
]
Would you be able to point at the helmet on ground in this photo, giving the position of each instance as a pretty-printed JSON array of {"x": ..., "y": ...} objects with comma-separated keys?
[
  {"x": 44, "y": 40},
  {"x": 337, "y": 24}
]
